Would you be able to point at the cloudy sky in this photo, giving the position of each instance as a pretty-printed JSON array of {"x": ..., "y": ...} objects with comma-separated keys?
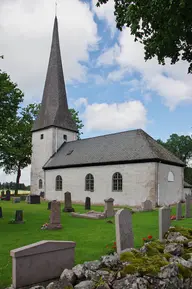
[{"x": 106, "y": 76}]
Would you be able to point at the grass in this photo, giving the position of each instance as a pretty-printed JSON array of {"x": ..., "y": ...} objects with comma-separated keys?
[{"x": 91, "y": 236}]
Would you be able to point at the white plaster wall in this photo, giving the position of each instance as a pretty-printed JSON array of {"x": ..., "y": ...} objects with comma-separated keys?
[
  {"x": 43, "y": 149},
  {"x": 170, "y": 192},
  {"x": 138, "y": 183}
]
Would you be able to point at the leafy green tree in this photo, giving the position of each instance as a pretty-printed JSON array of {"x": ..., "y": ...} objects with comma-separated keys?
[
  {"x": 180, "y": 146},
  {"x": 79, "y": 123},
  {"x": 163, "y": 26},
  {"x": 17, "y": 146}
]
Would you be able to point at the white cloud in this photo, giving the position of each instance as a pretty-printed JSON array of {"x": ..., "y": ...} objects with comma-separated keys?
[
  {"x": 109, "y": 56},
  {"x": 171, "y": 82},
  {"x": 25, "y": 176},
  {"x": 106, "y": 12},
  {"x": 26, "y": 31},
  {"x": 113, "y": 117}
]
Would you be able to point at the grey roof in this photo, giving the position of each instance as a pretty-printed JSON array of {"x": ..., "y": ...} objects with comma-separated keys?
[
  {"x": 187, "y": 185},
  {"x": 54, "y": 108},
  {"x": 124, "y": 147}
]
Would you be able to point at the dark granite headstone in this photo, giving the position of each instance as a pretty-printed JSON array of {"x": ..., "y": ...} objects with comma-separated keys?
[
  {"x": 1, "y": 213},
  {"x": 19, "y": 216},
  {"x": 49, "y": 206},
  {"x": 42, "y": 194},
  {"x": 8, "y": 195},
  {"x": 34, "y": 199},
  {"x": 88, "y": 203},
  {"x": 68, "y": 205}
]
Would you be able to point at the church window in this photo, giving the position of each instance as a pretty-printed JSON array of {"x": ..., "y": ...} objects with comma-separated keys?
[
  {"x": 117, "y": 182},
  {"x": 89, "y": 183},
  {"x": 42, "y": 136},
  {"x": 171, "y": 177},
  {"x": 40, "y": 184},
  {"x": 58, "y": 183},
  {"x": 65, "y": 137}
]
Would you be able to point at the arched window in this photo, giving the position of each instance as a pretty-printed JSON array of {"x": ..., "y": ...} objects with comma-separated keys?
[
  {"x": 89, "y": 183},
  {"x": 171, "y": 177},
  {"x": 40, "y": 184},
  {"x": 117, "y": 182},
  {"x": 58, "y": 183}
]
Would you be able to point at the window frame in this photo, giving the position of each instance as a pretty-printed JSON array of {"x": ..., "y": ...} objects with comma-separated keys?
[
  {"x": 117, "y": 182},
  {"x": 89, "y": 182},
  {"x": 65, "y": 137},
  {"x": 58, "y": 183},
  {"x": 42, "y": 136},
  {"x": 40, "y": 184},
  {"x": 172, "y": 178}
]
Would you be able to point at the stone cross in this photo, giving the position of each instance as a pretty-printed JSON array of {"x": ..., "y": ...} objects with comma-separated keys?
[
  {"x": 68, "y": 205},
  {"x": 179, "y": 211},
  {"x": 147, "y": 205},
  {"x": 1, "y": 213},
  {"x": 55, "y": 217},
  {"x": 19, "y": 217},
  {"x": 109, "y": 211},
  {"x": 164, "y": 221},
  {"x": 188, "y": 206},
  {"x": 88, "y": 203},
  {"x": 124, "y": 232}
]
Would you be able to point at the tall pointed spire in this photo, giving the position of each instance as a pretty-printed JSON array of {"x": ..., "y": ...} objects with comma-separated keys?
[{"x": 54, "y": 108}]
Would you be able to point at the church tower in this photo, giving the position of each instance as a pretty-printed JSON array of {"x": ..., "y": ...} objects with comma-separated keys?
[{"x": 54, "y": 124}]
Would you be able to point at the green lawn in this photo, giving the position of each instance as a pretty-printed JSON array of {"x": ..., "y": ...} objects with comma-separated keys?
[{"x": 91, "y": 236}]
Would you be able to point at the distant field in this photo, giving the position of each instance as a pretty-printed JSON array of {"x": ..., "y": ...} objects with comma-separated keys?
[{"x": 20, "y": 192}]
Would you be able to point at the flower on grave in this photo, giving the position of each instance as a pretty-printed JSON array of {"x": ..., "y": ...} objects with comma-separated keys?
[
  {"x": 173, "y": 217},
  {"x": 112, "y": 248},
  {"x": 150, "y": 237},
  {"x": 44, "y": 227}
]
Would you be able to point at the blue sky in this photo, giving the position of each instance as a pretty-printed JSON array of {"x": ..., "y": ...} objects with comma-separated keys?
[{"x": 106, "y": 76}]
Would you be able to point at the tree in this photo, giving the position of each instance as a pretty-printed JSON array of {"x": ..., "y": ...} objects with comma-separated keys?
[
  {"x": 17, "y": 146},
  {"x": 79, "y": 123},
  {"x": 164, "y": 27},
  {"x": 180, "y": 146},
  {"x": 10, "y": 99}
]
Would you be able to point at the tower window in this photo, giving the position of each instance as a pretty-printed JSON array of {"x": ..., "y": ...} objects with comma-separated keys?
[
  {"x": 42, "y": 136},
  {"x": 40, "y": 184},
  {"x": 65, "y": 137}
]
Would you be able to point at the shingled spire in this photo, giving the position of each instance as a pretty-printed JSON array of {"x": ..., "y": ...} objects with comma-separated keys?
[{"x": 54, "y": 108}]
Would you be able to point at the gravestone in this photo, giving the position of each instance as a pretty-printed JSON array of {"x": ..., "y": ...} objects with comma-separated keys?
[
  {"x": 188, "y": 206},
  {"x": 68, "y": 205},
  {"x": 27, "y": 200},
  {"x": 179, "y": 211},
  {"x": 147, "y": 205},
  {"x": 16, "y": 200},
  {"x": 55, "y": 217},
  {"x": 42, "y": 194},
  {"x": 8, "y": 195},
  {"x": 164, "y": 221},
  {"x": 34, "y": 199},
  {"x": 1, "y": 213},
  {"x": 88, "y": 203},
  {"x": 49, "y": 206},
  {"x": 124, "y": 232},
  {"x": 2, "y": 193},
  {"x": 109, "y": 210},
  {"x": 19, "y": 217}
]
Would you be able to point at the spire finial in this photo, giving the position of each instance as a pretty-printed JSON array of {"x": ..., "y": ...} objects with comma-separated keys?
[{"x": 56, "y": 8}]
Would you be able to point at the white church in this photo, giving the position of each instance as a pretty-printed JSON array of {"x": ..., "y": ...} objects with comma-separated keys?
[{"x": 128, "y": 166}]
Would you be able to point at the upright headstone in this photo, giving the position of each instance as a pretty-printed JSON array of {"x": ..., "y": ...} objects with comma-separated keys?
[
  {"x": 19, "y": 217},
  {"x": 55, "y": 217},
  {"x": 1, "y": 213},
  {"x": 88, "y": 203},
  {"x": 27, "y": 200},
  {"x": 188, "y": 206},
  {"x": 16, "y": 200},
  {"x": 179, "y": 211},
  {"x": 68, "y": 205},
  {"x": 42, "y": 194},
  {"x": 164, "y": 221},
  {"x": 147, "y": 205},
  {"x": 49, "y": 206},
  {"x": 8, "y": 195},
  {"x": 124, "y": 232},
  {"x": 109, "y": 210}
]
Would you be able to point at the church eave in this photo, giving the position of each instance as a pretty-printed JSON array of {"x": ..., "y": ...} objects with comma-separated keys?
[
  {"x": 46, "y": 127},
  {"x": 154, "y": 160}
]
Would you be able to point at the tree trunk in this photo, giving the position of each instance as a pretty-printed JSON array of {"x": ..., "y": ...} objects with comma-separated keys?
[{"x": 17, "y": 180}]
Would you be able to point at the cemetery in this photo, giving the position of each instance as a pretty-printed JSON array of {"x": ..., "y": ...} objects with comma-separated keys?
[{"x": 129, "y": 233}]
